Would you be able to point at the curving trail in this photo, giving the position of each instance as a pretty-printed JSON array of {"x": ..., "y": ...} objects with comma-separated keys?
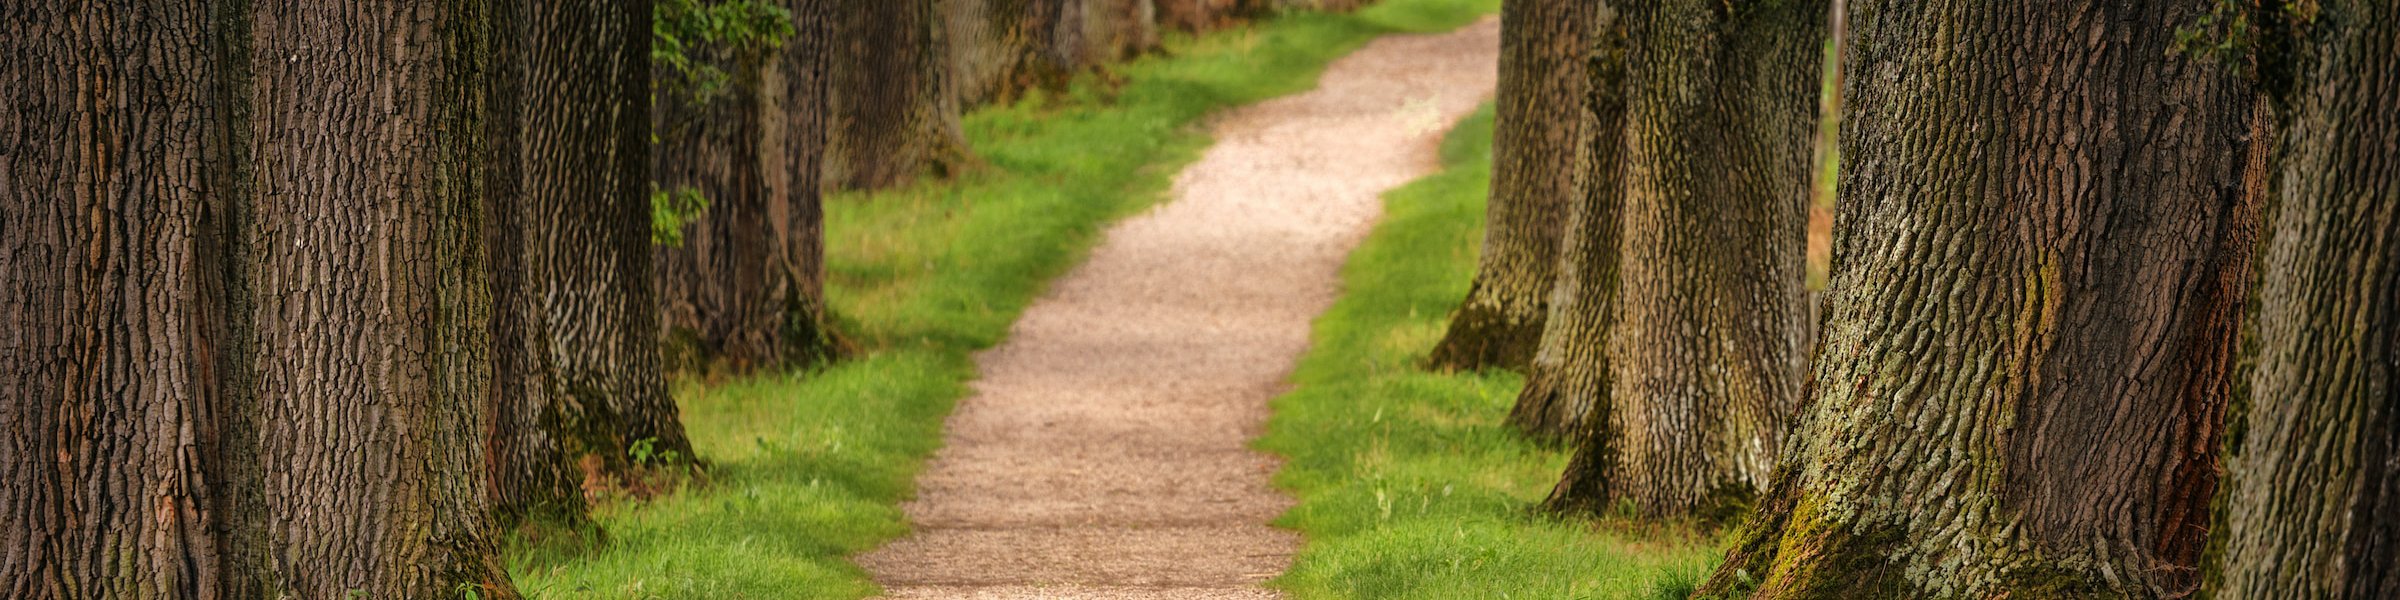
[{"x": 1105, "y": 453}]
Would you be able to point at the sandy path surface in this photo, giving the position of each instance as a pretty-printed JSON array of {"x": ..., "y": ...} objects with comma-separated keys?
[{"x": 1105, "y": 451}]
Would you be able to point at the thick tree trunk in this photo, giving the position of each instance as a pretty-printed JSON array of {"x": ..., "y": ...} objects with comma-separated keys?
[
  {"x": 1706, "y": 351},
  {"x": 2039, "y": 259},
  {"x": 114, "y": 182},
  {"x": 1569, "y": 377},
  {"x": 896, "y": 112},
  {"x": 372, "y": 303},
  {"x": 713, "y": 286},
  {"x": 1195, "y": 16},
  {"x": 1117, "y": 30},
  {"x": 530, "y": 474},
  {"x": 800, "y": 79},
  {"x": 586, "y": 162},
  {"x": 1537, "y": 143},
  {"x": 1000, "y": 49},
  {"x": 2314, "y": 504}
]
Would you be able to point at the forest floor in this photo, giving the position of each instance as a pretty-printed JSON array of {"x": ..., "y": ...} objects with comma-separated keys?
[{"x": 1106, "y": 450}]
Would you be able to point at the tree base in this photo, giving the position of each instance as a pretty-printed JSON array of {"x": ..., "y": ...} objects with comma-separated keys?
[{"x": 1481, "y": 337}]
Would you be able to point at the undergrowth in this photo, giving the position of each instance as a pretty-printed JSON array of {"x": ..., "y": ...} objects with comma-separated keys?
[{"x": 808, "y": 467}]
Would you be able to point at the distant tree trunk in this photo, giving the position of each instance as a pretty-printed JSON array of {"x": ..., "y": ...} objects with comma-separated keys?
[
  {"x": 800, "y": 78},
  {"x": 896, "y": 112},
  {"x": 1001, "y": 49},
  {"x": 713, "y": 286},
  {"x": 2314, "y": 505},
  {"x": 1706, "y": 352},
  {"x": 1195, "y": 16},
  {"x": 372, "y": 300},
  {"x": 114, "y": 414},
  {"x": 531, "y": 476},
  {"x": 587, "y": 161},
  {"x": 1569, "y": 376},
  {"x": 1536, "y": 145},
  {"x": 2041, "y": 250},
  {"x": 1117, "y": 30}
]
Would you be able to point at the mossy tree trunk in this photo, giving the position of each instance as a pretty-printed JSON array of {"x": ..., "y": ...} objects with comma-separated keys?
[
  {"x": 1117, "y": 30},
  {"x": 2039, "y": 258},
  {"x": 1569, "y": 377},
  {"x": 799, "y": 109},
  {"x": 586, "y": 147},
  {"x": 896, "y": 110},
  {"x": 1707, "y": 366},
  {"x": 124, "y": 446},
  {"x": 1537, "y": 143},
  {"x": 2313, "y": 510}
]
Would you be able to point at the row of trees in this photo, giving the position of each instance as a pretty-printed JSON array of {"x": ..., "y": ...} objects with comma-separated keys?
[
  {"x": 304, "y": 299},
  {"x": 2114, "y": 306}
]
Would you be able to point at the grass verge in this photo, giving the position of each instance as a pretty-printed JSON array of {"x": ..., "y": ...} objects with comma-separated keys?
[
  {"x": 1410, "y": 485},
  {"x": 808, "y": 468}
]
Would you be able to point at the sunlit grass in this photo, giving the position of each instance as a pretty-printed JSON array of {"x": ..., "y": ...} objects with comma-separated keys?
[
  {"x": 808, "y": 468},
  {"x": 1409, "y": 484}
]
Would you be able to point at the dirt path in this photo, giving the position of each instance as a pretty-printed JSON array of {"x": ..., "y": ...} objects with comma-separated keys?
[{"x": 1105, "y": 452}]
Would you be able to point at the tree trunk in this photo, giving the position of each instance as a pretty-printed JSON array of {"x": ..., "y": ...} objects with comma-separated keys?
[
  {"x": 2314, "y": 503},
  {"x": 2040, "y": 253},
  {"x": 1537, "y": 143},
  {"x": 713, "y": 286},
  {"x": 1117, "y": 30},
  {"x": 1569, "y": 376},
  {"x": 1196, "y": 16},
  {"x": 531, "y": 477},
  {"x": 372, "y": 302},
  {"x": 1000, "y": 49},
  {"x": 800, "y": 78},
  {"x": 586, "y": 162},
  {"x": 1706, "y": 350},
  {"x": 116, "y": 454},
  {"x": 896, "y": 112}
]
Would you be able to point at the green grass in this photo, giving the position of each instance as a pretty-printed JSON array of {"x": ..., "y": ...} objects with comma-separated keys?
[
  {"x": 807, "y": 469},
  {"x": 1409, "y": 484}
]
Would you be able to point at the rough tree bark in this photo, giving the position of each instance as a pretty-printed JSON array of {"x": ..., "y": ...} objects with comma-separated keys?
[
  {"x": 1000, "y": 49},
  {"x": 1117, "y": 30},
  {"x": 2041, "y": 249},
  {"x": 114, "y": 458},
  {"x": 896, "y": 112},
  {"x": 1536, "y": 144},
  {"x": 799, "y": 80},
  {"x": 586, "y": 162},
  {"x": 530, "y": 475},
  {"x": 713, "y": 286},
  {"x": 2314, "y": 498},
  {"x": 1569, "y": 376},
  {"x": 1706, "y": 357},
  {"x": 372, "y": 306}
]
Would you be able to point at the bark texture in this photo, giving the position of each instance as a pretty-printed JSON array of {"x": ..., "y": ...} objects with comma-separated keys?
[
  {"x": 712, "y": 287},
  {"x": 1706, "y": 352},
  {"x": 2314, "y": 500},
  {"x": 1000, "y": 49},
  {"x": 1537, "y": 142},
  {"x": 801, "y": 79},
  {"x": 372, "y": 305},
  {"x": 114, "y": 457},
  {"x": 2040, "y": 254},
  {"x": 896, "y": 111},
  {"x": 586, "y": 161},
  {"x": 531, "y": 476},
  {"x": 1569, "y": 377}
]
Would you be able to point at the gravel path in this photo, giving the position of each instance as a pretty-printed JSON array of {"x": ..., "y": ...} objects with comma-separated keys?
[{"x": 1105, "y": 452}]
